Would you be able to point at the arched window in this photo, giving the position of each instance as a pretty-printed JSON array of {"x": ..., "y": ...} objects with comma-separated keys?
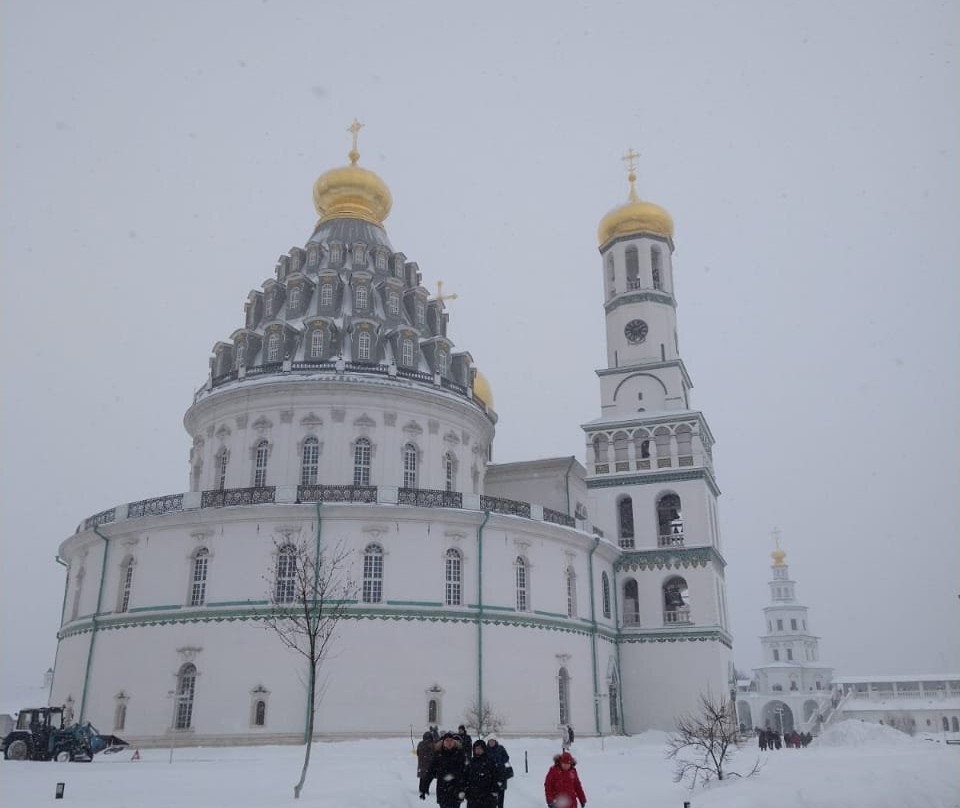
[
  {"x": 361, "y": 462},
  {"x": 381, "y": 261},
  {"x": 419, "y": 312},
  {"x": 126, "y": 585},
  {"x": 625, "y": 521},
  {"x": 442, "y": 363},
  {"x": 433, "y": 712},
  {"x": 605, "y": 594},
  {"x": 453, "y": 595},
  {"x": 326, "y": 295},
  {"x": 662, "y": 438},
  {"x": 260, "y": 713},
  {"x": 293, "y": 302},
  {"x": 669, "y": 520},
  {"x": 684, "y": 445},
  {"x": 613, "y": 691},
  {"x": 600, "y": 443},
  {"x": 120, "y": 715},
  {"x": 393, "y": 303},
  {"x": 223, "y": 456},
  {"x": 571, "y": 592},
  {"x": 656, "y": 267},
  {"x": 946, "y": 724},
  {"x": 406, "y": 357},
  {"x": 273, "y": 347},
  {"x": 186, "y": 685},
  {"x": 398, "y": 266},
  {"x": 260, "y": 464},
  {"x": 633, "y": 268},
  {"x": 198, "y": 581},
  {"x": 316, "y": 343},
  {"x": 310, "y": 467},
  {"x": 285, "y": 586},
  {"x": 450, "y": 472},
  {"x": 676, "y": 600},
  {"x": 372, "y": 574},
  {"x": 955, "y": 724},
  {"x": 360, "y": 297},
  {"x": 409, "y": 466},
  {"x": 523, "y": 594},
  {"x": 621, "y": 456},
  {"x": 631, "y": 603},
  {"x": 363, "y": 346},
  {"x": 563, "y": 687}
]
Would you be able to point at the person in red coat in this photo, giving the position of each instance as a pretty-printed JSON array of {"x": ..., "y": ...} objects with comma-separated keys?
[{"x": 562, "y": 786}]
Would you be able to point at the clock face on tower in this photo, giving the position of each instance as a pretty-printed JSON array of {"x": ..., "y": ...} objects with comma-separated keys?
[{"x": 635, "y": 331}]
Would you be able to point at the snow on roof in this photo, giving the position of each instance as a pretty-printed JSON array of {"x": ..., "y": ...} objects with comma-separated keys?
[{"x": 919, "y": 677}]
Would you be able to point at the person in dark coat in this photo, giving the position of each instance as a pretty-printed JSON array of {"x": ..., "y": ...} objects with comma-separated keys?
[
  {"x": 498, "y": 754},
  {"x": 424, "y": 756},
  {"x": 562, "y": 785},
  {"x": 762, "y": 735},
  {"x": 466, "y": 742},
  {"x": 447, "y": 768},
  {"x": 484, "y": 778}
]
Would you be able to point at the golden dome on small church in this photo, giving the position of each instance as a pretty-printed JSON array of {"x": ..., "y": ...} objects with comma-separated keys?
[
  {"x": 481, "y": 389},
  {"x": 352, "y": 192},
  {"x": 635, "y": 216},
  {"x": 778, "y": 555}
]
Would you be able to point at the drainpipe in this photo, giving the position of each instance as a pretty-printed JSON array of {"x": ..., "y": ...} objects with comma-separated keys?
[
  {"x": 93, "y": 629},
  {"x": 63, "y": 607},
  {"x": 566, "y": 481},
  {"x": 593, "y": 638},
  {"x": 616, "y": 618},
  {"x": 486, "y": 516},
  {"x": 313, "y": 672}
]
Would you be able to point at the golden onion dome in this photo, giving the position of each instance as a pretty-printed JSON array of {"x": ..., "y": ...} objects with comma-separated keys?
[
  {"x": 635, "y": 216},
  {"x": 778, "y": 555},
  {"x": 352, "y": 192},
  {"x": 481, "y": 389}
]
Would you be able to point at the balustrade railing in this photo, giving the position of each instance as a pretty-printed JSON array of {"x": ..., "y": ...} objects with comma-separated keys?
[
  {"x": 430, "y": 498},
  {"x": 558, "y": 518},
  {"x": 670, "y": 540},
  {"x": 225, "y": 497},
  {"x": 155, "y": 506},
  {"x": 511, "y": 507},
  {"x": 98, "y": 519},
  {"x": 631, "y": 619},
  {"x": 674, "y": 616},
  {"x": 336, "y": 493}
]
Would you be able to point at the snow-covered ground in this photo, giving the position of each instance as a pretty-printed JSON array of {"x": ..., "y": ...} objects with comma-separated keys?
[{"x": 854, "y": 764}]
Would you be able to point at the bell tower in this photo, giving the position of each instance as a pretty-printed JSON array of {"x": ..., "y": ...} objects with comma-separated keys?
[{"x": 650, "y": 471}]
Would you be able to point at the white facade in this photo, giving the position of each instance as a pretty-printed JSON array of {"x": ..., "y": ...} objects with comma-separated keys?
[{"x": 341, "y": 413}]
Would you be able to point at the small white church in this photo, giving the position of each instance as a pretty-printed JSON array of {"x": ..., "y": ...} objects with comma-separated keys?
[{"x": 558, "y": 592}]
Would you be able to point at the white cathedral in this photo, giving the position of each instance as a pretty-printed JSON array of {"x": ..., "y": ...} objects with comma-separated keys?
[{"x": 341, "y": 411}]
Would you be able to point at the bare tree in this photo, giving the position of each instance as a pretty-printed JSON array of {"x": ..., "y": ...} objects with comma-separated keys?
[
  {"x": 310, "y": 589},
  {"x": 483, "y": 719},
  {"x": 705, "y": 741}
]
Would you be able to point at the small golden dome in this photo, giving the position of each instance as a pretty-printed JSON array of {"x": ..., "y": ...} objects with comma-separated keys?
[
  {"x": 354, "y": 193},
  {"x": 635, "y": 217},
  {"x": 778, "y": 555},
  {"x": 351, "y": 192},
  {"x": 481, "y": 389}
]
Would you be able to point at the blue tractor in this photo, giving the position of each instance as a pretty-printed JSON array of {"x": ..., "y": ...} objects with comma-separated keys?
[{"x": 42, "y": 734}]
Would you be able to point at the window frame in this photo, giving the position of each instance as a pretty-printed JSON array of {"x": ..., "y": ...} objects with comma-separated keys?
[
  {"x": 453, "y": 578},
  {"x": 199, "y": 570},
  {"x": 362, "y": 455},
  {"x": 372, "y": 585}
]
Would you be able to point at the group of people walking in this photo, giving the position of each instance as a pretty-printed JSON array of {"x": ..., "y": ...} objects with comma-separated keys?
[
  {"x": 478, "y": 771},
  {"x": 771, "y": 739}
]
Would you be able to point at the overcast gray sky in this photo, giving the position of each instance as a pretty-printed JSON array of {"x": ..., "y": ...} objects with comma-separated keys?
[{"x": 157, "y": 157}]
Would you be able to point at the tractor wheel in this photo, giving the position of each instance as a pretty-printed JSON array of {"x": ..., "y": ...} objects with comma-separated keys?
[
  {"x": 63, "y": 756},
  {"x": 17, "y": 749}
]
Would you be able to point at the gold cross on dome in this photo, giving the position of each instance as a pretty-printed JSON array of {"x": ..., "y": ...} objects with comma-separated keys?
[
  {"x": 776, "y": 536},
  {"x": 441, "y": 296},
  {"x": 630, "y": 158},
  {"x": 354, "y": 129}
]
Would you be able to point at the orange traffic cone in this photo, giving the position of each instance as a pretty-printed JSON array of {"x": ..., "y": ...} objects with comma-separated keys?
[{"x": 136, "y": 754}]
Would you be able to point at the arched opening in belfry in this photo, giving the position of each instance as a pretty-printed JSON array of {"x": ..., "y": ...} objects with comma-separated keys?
[{"x": 669, "y": 521}]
